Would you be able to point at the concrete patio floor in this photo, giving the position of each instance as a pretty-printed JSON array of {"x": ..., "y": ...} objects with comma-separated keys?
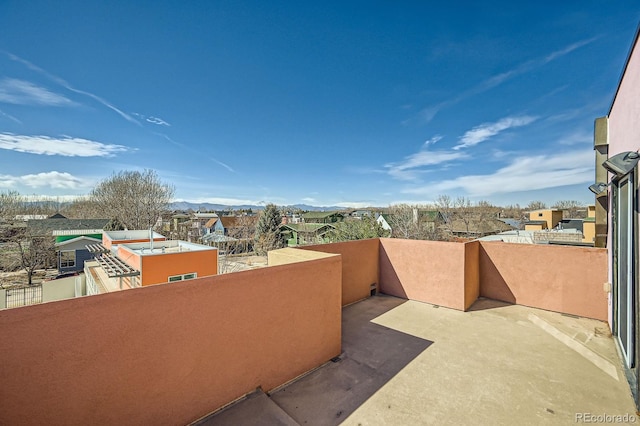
[{"x": 412, "y": 363}]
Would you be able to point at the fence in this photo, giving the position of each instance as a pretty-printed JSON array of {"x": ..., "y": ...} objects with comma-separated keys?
[{"x": 16, "y": 297}]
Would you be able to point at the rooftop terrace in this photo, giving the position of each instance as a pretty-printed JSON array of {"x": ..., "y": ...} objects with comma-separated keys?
[
  {"x": 410, "y": 363},
  {"x": 438, "y": 352}
]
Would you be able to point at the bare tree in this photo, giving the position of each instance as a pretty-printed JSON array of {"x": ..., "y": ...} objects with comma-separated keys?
[
  {"x": 32, "y": 251},
  {"x": 135, "y": 199},
  {"x": 570, "y": 208},
  {"x": 536, "y": 205},
  {"x": 407, "y": 222},
  {"x": 11, "y": 204},
  {"x": 84, "y": 208}
]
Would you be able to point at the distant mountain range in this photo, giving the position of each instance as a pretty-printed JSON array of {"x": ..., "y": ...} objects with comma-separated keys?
[{"x": 186, "y": 205}]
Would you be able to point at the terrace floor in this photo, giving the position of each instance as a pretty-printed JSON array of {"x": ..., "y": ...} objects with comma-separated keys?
[{"x": 412, "y": 363}]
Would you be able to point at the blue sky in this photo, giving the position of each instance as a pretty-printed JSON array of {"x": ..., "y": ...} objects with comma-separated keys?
[{"x": 326, "y": 103}]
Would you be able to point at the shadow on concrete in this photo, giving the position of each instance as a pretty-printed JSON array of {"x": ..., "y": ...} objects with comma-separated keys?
[
  {"x": 389, "y": 281},
  {"x": 372, "y": 355},
  {"x": 492, "y": 283},
  {"x": 483, "y": 304}
]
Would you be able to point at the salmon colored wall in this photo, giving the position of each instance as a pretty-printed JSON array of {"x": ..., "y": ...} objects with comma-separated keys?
[
  {"x": 158, "y": 268},
  {"x": 471, "y": 273},
  {"x": 130, "y": 258},
  {"x": 557, "y": 278},
  {"x": 360, "y": 265},
  {"x": 428, "y": 271},
  {"x": 167, "y": 354}
]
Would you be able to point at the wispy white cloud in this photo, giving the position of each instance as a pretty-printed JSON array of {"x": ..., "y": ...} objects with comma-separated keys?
[
  {"x": 526, "y": 173},
  {"x": 64, "y": 145},
  {"x": 69, "y": 87},
  {"x": 577, "y": 137},
  {"x": 53, "y": 179},
  {"x": 181, "y": 145},
  {"x": 21, "y": 92},
  {"x": 433, "y": 140},
  {"x": 151, "y": 119},
  {"x": 158, "y": 121},
  {"x": 487, "y": 130},
  {"x": 414, "y": 164},
  {"x": 309, "y": 200},
  {"x": 10, "y": 117},
  {"x": 428, "y": 113}
]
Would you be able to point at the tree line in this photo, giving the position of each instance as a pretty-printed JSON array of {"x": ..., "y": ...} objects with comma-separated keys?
[{"x": 137, "y": 199}]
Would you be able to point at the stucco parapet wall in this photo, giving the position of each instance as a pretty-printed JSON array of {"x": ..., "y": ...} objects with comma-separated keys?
[
  {"x": 292, "y": 255},
  {"x": 436, "y": 272}
]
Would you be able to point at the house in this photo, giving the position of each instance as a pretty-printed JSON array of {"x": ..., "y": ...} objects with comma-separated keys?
[
  {"x": 130, "y": 259},
  {"x": 71, "y": 237},
  {"x": 214, "y": 226},
  {"x": 72, "y": 253},
  {"x": 616, "y": 145},
  {"x": 476, "y": 227},
  {"x": 322, "y": 217},
  {"x": 305, "y": 233},
  {"x": 543, "y": 219}
]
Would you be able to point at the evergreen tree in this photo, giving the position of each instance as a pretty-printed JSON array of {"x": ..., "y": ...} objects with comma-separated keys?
[{"x": 268, "y": 236}]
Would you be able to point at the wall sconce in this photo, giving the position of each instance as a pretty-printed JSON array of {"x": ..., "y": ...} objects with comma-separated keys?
[
  {"x": 598, "y": 188},
  {"x": 621, "y": 164}
]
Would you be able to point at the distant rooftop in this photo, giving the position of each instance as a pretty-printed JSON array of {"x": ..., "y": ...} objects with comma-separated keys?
[
  {"x": 131, "y": 235},
  {"x": 163, "y": 247}
]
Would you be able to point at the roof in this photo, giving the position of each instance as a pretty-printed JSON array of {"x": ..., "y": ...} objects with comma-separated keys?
[
  {"x": 89, "y": 240},
  {"x": 164, "y": 247},
  {"x": 131, "y": 235},
  {"x": 320, "y": 215},
  {"x": 535, "y": 222},
  {"x": 307, "y": 227},
  {"x": 476, "y": 226},
  {"x": 204, "y": 215},
  {"x": 50, "y": 225},
  {"x": 238, "y": 221},
  {"x": 211, "y": 222}
]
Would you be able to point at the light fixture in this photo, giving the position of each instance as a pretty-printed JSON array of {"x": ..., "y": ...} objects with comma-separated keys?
[
  {"x": 598, "y": 188},
  {"x": 623, "y": 163}
]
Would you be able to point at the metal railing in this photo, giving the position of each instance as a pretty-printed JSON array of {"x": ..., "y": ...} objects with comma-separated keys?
[{"x": 24, "y": 296}]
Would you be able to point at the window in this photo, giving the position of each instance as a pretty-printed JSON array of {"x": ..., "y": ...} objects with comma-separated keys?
[
  {"x": 67, "y": 259},
  {"x": 182, "y": 277}
]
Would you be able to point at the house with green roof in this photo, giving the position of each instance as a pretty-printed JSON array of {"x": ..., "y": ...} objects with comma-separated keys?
[
  {"x": 322, "y": 217},
  {"x": 305, "y": 233},
  {"x": 71, "y": 237}
]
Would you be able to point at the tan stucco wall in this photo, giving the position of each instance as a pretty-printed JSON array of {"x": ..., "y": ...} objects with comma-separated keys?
[
  {"x": 170, "y": 353},
  {"x": 360, "y": 264},
  {"x": 589, "y": 232},
  {"x": 64, "y": 288},
  {"x": 557, "y": 278},
  {"x": 428, "y": 271}
]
